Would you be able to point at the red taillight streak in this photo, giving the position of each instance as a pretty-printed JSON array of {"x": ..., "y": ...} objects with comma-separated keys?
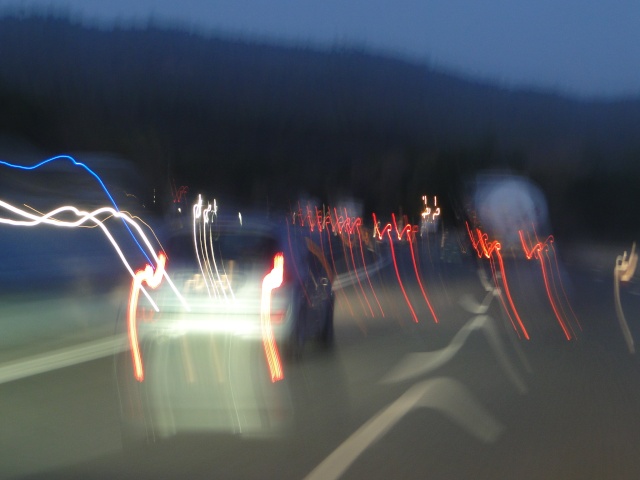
[
  {"x": 364, "y": 264},
  {"x": 347, "y": 263},
  {"x": 422, "y": 289},
  {"x": 487, "y": 249},
  {"x": 406, "y": 229},
  {"x": 539, "y": 251},
  {"x": 494, "y": 275},
  {"x": 333, "y": 264},
  {"x": 551, "y": 301},
  {"x": 377, "y": 233},
  {"x": 355, "y": 269},
  {"x": 506, "y": 290},
  {"x": 152, "y": 279},
  {"x": 270, "y": 282},
  {"x": 395, "y": 266}
]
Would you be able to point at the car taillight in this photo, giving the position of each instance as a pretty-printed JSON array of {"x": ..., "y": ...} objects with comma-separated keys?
[
  {"x": 271, "y": 281},
  {"x": 152, "y": 279}
]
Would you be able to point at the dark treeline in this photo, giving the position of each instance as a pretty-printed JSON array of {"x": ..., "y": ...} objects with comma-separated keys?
[{"x": 269, "y": 123}]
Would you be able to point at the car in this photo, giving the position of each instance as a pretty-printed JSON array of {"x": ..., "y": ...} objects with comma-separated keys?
[{"x": 252, "y": 293}]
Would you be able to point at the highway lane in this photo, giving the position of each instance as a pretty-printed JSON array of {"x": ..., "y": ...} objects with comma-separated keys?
[{"x": 366, "y": 410}]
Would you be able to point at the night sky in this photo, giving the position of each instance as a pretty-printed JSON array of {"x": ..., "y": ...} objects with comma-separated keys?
[{"x": 586, "y": 48}]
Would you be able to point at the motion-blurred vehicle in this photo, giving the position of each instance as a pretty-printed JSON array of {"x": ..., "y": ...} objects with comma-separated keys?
[{"x": 255, "y": 292}]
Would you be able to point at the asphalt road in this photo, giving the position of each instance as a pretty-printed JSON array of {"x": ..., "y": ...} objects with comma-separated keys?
[{"x": 460, "y": 399}]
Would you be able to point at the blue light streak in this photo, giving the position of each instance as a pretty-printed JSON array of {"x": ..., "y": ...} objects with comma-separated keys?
[{"x": 93, "y": 174}]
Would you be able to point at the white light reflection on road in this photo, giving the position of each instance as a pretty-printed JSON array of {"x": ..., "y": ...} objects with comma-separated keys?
[
  {"x": 623, "y": 272},
  {"x": 446, "y": 395}
]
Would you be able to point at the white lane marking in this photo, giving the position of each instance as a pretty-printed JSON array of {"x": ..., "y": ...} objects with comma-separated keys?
[
  {"x": 420, "y": 363},
  {"x": 446, "y": 395},
  {"x": 64, "y": 357}
]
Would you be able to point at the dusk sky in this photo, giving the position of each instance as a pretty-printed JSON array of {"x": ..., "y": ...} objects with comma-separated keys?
[{"x": 582, "y": 47}]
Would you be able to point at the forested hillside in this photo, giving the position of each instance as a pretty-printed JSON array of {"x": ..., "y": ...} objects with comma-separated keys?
[{"x": 261, "y": 121}]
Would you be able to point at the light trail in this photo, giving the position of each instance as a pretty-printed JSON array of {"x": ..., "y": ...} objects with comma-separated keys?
[
  {"x": 88, "y": 170},
  {"x": 135, "y": 217},
  {"x": 428, "y": 212},
  {"x": 83, "y": 217},
  {"x": 344, "y": 226},
  {"x": 208, "y": 222},
  {"x": 355, "y": 269},
  {"x": 540, "y": 252},
  {"x": 205, "y": 254},
  {"x": 352, "y": 274},
  {"x": 410, "y": 232},
  {"x": 295, "y": 266},
  {"x": 152, "y": 279},
  {"x": 148, "y": 275},
  {"x": 204, "y": 249},
  {"x": 364, "y": 264},
  {"x": 197, "y": 211},
  {"x": 270, "y": 282},
  {"x": 623, "y": 272},
  {"x": 342, "y": 293},
  {"x": 329, "y": 220},
  {"x": 387, "y": 230},
  {"x": 487, "y": 249},
  {"x": 180, "y": 193}
]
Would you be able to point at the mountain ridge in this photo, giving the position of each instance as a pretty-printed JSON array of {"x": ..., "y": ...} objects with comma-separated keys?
[{"x": 344, "y": 120}]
